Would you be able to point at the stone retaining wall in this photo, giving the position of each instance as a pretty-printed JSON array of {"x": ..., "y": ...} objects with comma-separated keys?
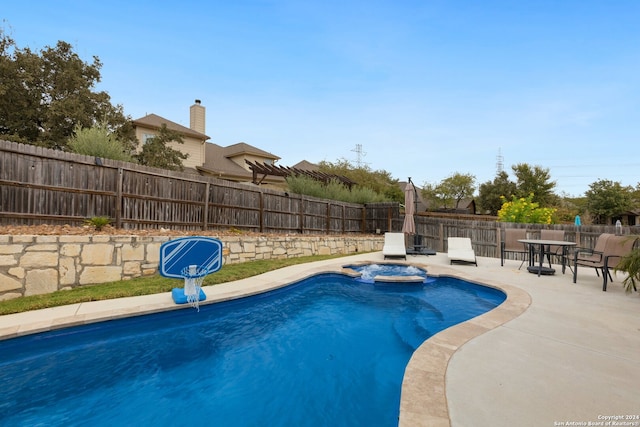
[{"x": 31, "y": 265}]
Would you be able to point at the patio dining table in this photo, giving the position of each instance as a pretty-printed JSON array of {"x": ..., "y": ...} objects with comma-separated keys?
[{"x": 543, "y": 245}]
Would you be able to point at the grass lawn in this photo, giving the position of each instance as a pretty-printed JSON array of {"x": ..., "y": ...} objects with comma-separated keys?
[{"x": 147, "y": 285}]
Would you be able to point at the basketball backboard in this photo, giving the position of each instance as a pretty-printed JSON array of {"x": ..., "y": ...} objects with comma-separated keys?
[{"x": 175, "y": 255}]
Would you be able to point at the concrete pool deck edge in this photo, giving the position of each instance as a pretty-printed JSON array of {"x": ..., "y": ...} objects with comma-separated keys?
[{"x": 423, "y": 400}]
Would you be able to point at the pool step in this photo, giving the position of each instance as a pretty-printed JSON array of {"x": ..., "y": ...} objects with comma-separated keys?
[{"x": 410, "y": 332}]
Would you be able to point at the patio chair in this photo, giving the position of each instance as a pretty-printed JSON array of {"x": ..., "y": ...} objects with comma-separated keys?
[
  {"x": 394, "y": 246},
  {"x": 605, "y": 256},
  {"x": 555, "y": 250},
  {"x": 510, "y": 244},
  {"x": 459, "y": 250}
]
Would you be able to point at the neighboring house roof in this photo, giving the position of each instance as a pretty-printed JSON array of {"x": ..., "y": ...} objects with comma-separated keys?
[
  {"x": 153, "y": 121},
  {"x": 306, "y": 166},
  {"x": 243, "y": 148},
  {"x": 465, "y": 206},
  {"x": 468, "y": 204},
  {"x": 219, "y": 161}
]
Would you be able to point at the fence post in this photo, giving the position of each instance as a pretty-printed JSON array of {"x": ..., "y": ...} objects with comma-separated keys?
[
  {"x": 205, "y": 210},
  {"x": 119, "y": 198},
  {"x": 261, "y": 207},
  {"x": 301, "y": 214},
  {"x": 328, "y": 220}
]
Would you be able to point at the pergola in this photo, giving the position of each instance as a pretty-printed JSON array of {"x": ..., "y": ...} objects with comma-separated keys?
[{"x": 265, "y": 170}]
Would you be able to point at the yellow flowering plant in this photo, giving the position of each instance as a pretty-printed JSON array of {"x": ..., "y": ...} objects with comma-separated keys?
[{"x": 524, "y": 210}]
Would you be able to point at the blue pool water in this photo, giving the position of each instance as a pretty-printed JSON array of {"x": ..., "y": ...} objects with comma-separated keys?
[{"x": 329, "y": 350}]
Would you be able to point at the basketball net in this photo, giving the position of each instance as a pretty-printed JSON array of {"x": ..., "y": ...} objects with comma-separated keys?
[{"x": 192, "y": 284}]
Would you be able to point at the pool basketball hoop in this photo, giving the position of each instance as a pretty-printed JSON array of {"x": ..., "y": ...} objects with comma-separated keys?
[
  {"x": 193, "y": 278},
  {"x": 191, "y": 259}
]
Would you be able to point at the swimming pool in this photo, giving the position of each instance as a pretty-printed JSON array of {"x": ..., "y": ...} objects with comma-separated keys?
[{"x": 329, "y": 350}]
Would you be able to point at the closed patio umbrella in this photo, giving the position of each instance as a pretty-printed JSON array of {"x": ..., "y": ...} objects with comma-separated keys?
[{"x": 409, "y": 225}]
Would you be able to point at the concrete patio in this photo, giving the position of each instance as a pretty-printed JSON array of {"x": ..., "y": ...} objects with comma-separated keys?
[
  {"x": 555, "y": 353},
  {"x": 572, "y": 356}
]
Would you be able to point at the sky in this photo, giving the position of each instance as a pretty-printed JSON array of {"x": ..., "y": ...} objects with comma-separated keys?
[{"x": 418, "y": 88}]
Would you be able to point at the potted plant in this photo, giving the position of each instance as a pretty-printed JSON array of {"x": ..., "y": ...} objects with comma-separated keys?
[{"x": 630, "y": 264}]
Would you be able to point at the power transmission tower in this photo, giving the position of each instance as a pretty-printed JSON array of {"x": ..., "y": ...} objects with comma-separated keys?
[
  {"x": 499, "y": 162},
  {"x": 359, "y": 155}
]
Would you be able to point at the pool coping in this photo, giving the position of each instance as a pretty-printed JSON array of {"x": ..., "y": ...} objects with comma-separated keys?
[
  {"x": 423, "y": 396},
  {"x": 423, "y": 400}
]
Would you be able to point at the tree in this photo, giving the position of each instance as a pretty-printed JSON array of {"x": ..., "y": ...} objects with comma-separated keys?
[
  {"x": 606, "y": 199},
  {"x": 99, "y": 142},
  {"x": 19, "y": 92},
  {"x": 458, "y": 186},
  {"x": 45, "y": 95},
  {"x": 568, "y": 208},
  {"x": 635, "y": 195},
  {"x": 434, "y": 197},
  {"x": 450, "y": 191},
  {"x": 537, "y": 181},
  {"x": 156, "y": 153},
  {"x": 490, "y": 193},
  {"x": 121, "y": 127},
  {"x": 379, "y": 181}
]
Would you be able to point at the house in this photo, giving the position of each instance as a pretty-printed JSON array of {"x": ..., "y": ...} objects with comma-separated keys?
[
  {"x": 466, "y": 206},
  {"x": 629, "y": 218},
  {"x": 193, "y": 136},
  {"x": 230, "y": 163},
  {"x": 306, "y": 165},
  {"x": 239, "y": 162}
]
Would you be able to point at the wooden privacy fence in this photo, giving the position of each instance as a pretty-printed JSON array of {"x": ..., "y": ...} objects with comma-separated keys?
[
  {"x": 44, "y": 186},
  {"x": 486, "y": 235}
]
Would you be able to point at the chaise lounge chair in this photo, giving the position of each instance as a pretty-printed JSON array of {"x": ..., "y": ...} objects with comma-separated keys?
[
  {"x": 459, "y": 250},
  {"x": 394, "y": 246}
]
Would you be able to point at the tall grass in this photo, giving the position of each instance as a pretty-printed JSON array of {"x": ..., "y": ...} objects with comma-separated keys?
[
  {"x": 97, "y": 141},
  {"x": 334, "y": 190}
]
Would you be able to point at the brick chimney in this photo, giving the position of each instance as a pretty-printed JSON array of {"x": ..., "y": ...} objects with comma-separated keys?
[{"x": 196, "y": 116}]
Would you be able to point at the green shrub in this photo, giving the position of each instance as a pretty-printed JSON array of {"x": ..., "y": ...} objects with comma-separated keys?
[
  {"x": 98, "y": 222},
  {"x": 333, "y": 190},
  {"x": 97, "y": 141},
  {"x": 524, "y": 210},
  {"x": 631, "y": 265}
]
